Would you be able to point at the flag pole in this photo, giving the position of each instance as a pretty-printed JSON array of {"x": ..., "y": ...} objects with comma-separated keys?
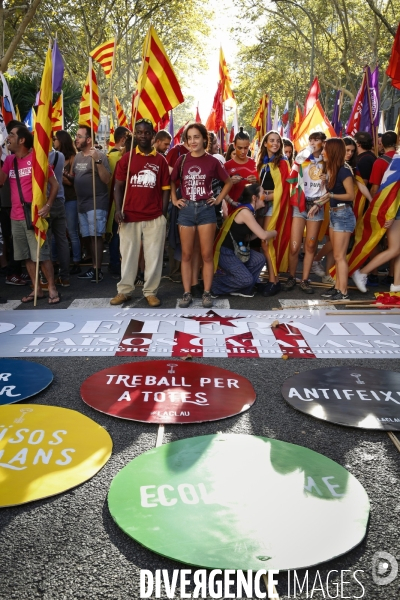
[
  {"x": 133, "y": 119},
  {"x": 93, "y": 168},
  {"x": 62, "y": 108}
]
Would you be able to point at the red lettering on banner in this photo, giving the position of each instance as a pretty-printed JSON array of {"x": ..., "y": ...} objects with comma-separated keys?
[
  {"x": 184, "y": 344},
  {"x": 291, "y": 341},
  {"x": 241, "y": 345}
]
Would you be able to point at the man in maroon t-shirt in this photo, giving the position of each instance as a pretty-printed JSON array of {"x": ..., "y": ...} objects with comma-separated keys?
[{"x": 142, "y": 217}]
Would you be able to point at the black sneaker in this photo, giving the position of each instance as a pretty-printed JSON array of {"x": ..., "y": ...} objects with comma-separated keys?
[
  {"x": 88, "y": 275},
  {"x": 75, "y": 269},
  {"x": 290, "y": 284},
  {"x": 99, "y": 277},
  {"x": 331, "y": 292},
  {"x": 271, "y": 289},
  {"x": 373, "y": 280},
  {"x": 340, "y": 296},
  {"x": 306, "y": 287}
]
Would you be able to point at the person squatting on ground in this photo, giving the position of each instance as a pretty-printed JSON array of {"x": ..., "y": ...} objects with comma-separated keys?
[
  {"x": 142, "y": 217},
  {"x": 196, "y": 170},
  {"x": 233, "y": 276}
]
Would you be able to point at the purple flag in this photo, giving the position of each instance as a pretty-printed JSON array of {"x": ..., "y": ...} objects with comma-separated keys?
[
  {"x": 58, "y": 68},
  {"x": 374, "y": 93},
  {"x": 171, "y": 128},
  {"x": 269, "y": 115},
  {"x": 336, "y": 122},
  {"x": 366, "y": 121}
]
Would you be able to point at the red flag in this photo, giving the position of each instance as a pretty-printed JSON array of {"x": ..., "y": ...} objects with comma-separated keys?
[
  {"x": 198, "y": 118},
  {"x": 177, "y": 137},
  {"x": 232, "y": 135},
  {"x": 163, "y": 123},
  {"x": 312, "y": 96},
  {"x": 393, "y": 69},
  {"x": 215, "y": 120}
]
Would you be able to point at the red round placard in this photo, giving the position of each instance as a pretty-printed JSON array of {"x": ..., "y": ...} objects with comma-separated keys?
[{"x": 160, "y": 391}]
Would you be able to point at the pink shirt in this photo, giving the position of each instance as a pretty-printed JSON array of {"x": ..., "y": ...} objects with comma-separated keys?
[{"x": 25, "y": 177}]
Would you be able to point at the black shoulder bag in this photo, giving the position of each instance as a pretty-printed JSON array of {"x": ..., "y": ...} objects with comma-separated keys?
[{"x": 26, "y": 206}]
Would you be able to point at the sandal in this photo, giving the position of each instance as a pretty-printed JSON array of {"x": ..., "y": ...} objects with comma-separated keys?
[
  {"x": 31, "y": 298},
  {"x": 55, "y": 299}
]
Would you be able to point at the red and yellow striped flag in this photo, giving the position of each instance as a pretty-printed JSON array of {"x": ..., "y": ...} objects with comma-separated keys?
[
  {"x": 57, "y": 114},
  {"x": 121, "y": 116},
  {"x": 104, "y": 55},
  {"x": 111, "y": 143},
  {"x": 84, "y": 107},
  {"x": 158, "y": 89},
  {"x": 260, "y": 120},
  {"x": 370, "y": 229},
  {"x": 224, "y": 76},
  {"x": 41, "y": 147}
]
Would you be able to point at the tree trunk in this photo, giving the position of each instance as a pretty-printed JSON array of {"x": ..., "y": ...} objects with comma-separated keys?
[{"x": 30, "y": 13}]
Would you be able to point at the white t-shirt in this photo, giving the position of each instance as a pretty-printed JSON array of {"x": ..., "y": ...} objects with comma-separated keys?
[{"x": 312, "y": 178}]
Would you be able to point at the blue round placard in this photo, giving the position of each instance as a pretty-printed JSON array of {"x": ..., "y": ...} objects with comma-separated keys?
[{"x": 21, "y": 379}]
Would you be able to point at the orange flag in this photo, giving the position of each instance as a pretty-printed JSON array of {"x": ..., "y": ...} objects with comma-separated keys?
[
  {"x": 85, "y": 117},
  {"x": 316, "y": 120},
  {"x": 104, "y": 55},
  {"x": 296, "y": 122},
  {"x": 260, "y": 120},
  {"x": 121, "y": 116},
  {"x": 111, "y": 143},
  {"x": 41, "y": 148}
]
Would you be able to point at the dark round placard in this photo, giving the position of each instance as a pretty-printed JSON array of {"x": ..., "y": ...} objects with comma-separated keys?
[
  {"x": 351, "y": 396},
  {"x": 21, "y": 379},
  {"x": 240, "y": 502},
  {"x": 160, "y": 391}
]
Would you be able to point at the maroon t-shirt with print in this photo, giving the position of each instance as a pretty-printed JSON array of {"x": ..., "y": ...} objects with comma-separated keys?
[{"x": 197, "y": 175}]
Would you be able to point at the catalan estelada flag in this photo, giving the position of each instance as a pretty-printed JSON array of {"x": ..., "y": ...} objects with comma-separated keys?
[
  {"x": 281, "y": 219},
  {"x": 104, "y": 55},
  {"x": 224, "y": 76},
  {"x": 260, "y": 120},
  {"x": 121, "y": 116},
  {"x": 85, "y": 118},
  {"x": 158, "y": 89},
  {"x": 57, "y": 114},
  {"x": 41, "y": 148},
  {"x": 370, "y": 229}
]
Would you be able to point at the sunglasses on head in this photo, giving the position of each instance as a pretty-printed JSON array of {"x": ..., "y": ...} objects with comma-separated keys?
[{"x": 144, "y": 121}]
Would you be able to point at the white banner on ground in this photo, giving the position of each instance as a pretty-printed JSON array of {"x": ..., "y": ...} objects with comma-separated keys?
[{"x": 200, "y": 333}]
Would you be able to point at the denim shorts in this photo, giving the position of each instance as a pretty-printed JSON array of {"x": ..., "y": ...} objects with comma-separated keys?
[
  {"x": 197, "y": 213},
  {"x": 86, "y": 223},
  {"x": 319, "y": 216},
  {"x": 343, "y": 220},
  {"x": 397, "y": 217},
  {"x": 266, "y": 211}
]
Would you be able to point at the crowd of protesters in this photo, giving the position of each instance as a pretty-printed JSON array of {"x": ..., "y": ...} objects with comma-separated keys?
[{"x": 229, "y": 220}]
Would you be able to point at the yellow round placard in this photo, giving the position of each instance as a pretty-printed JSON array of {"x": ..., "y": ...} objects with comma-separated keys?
[{"x": 45, "y": 450}]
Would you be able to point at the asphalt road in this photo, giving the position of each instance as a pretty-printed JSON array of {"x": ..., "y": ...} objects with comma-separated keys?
[{"x": 68, "y": 546}]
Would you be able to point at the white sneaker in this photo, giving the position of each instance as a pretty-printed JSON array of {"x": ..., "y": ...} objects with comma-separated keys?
[
  {"x": 318, "y": 269},
  {"x": 395, "y": 288},
  {"x": 328, "y": 279},
  {"x": 360, "y": 280}
]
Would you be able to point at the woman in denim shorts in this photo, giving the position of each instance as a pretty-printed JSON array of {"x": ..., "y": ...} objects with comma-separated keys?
[
  {"x": 340, "y": 195},
  {"x": 196, "y": 170}
]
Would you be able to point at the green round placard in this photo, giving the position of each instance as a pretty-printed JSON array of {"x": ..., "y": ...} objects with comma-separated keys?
[{"x": 240, "y": 502}]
